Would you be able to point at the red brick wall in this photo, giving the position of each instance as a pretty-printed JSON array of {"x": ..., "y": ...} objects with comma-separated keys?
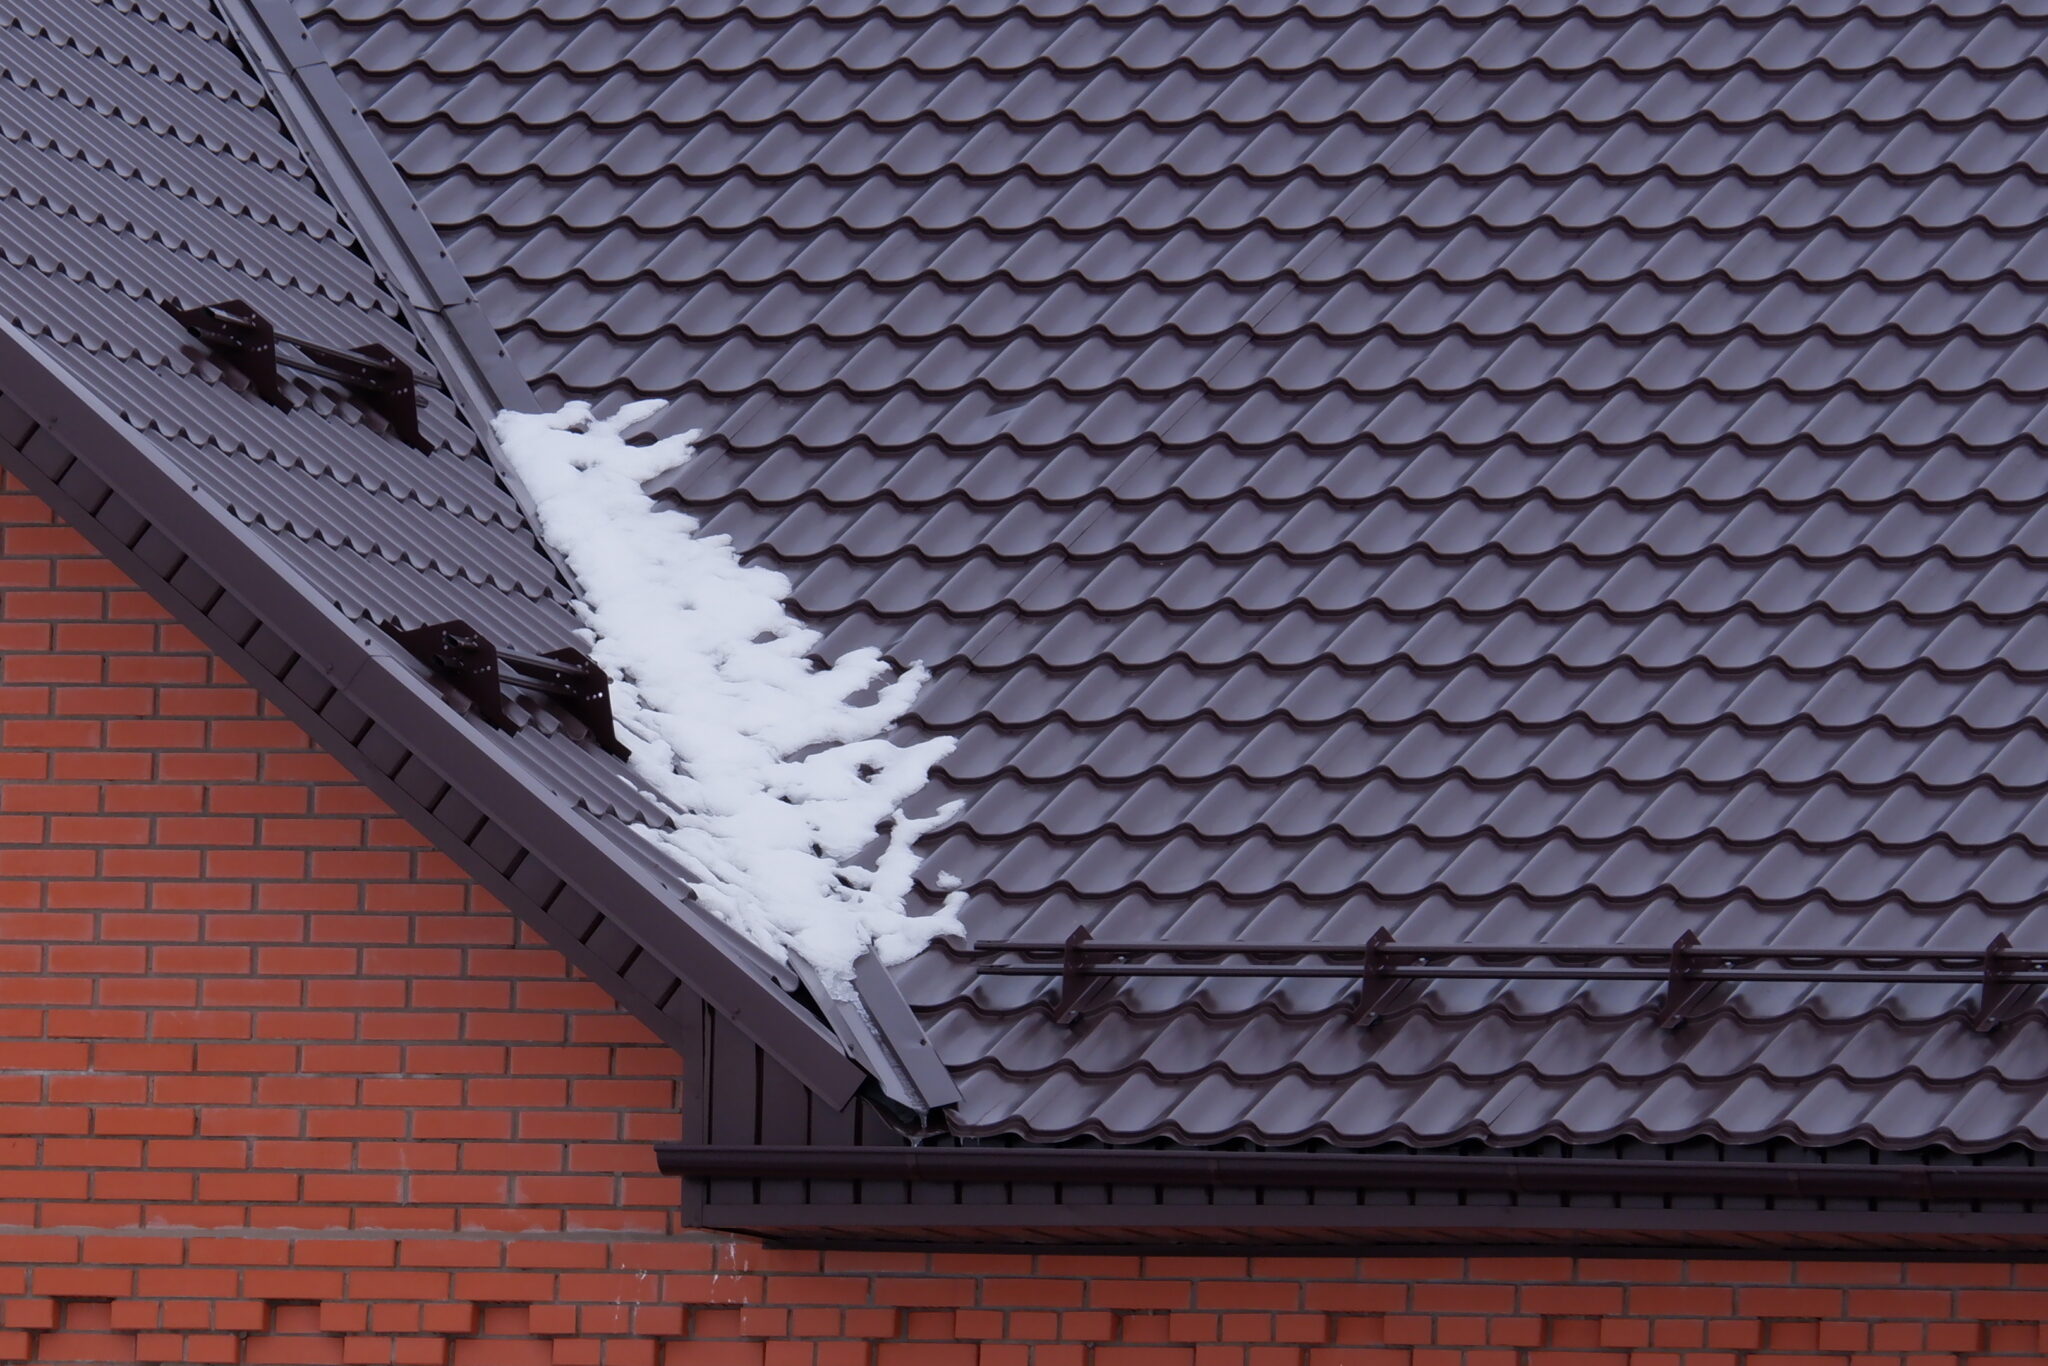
[{"x": 277, "y": 1085}]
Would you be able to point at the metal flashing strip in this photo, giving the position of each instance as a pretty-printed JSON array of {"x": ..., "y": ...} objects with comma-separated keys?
[
  {"x": 373, "y": 196},
  {"x": 374, "y": 199},
  {"x": 354, "y": 690},
  {"x": 878, "y": 1028},
  {"x": 907, "y": 1040}
]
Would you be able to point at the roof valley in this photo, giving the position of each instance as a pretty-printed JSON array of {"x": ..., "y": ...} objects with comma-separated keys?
[{"x": 284, "y": 534}]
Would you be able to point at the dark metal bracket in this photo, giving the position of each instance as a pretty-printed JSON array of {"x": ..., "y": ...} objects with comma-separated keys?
[
  {"x": 1375, "y": 983},
  {"x": 462, "y": 658},
  {"x": 480, "y": 671},
  {"x": 577, "y": 683},
  {"x": 1999, "y": 993},
  {"x": 1685, "y": 990},
  {"x": 1083, "y": 980},
  {"x": 245, "y": 339}
]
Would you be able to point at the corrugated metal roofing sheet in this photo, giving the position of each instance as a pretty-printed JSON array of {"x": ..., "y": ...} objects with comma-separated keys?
[
  {"x": 1505, "y": 472},
  {"x": 139, "y": 163}
]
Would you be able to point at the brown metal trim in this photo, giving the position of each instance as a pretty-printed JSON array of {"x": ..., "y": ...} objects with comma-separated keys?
[
  {"x": 1143, "y": 1167},
  {"x": 1294, "y": 1203}
]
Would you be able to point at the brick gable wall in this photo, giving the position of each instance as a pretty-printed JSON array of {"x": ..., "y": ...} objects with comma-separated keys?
[{"x": 278, "y": 1085}]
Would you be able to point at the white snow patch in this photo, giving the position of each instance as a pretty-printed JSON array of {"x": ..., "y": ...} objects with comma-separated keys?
[{"x": 778, "y": 772}]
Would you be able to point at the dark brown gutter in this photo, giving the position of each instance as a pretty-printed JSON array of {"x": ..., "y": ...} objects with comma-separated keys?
[{"x": 1360, "y": 1171}]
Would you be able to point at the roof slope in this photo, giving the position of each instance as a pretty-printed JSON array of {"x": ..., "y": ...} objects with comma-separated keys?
[
  {"x": 1500, "y": 472},
  {"x": 141, "y": 163}
]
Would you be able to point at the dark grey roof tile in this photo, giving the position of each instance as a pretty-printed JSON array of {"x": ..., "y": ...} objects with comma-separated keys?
[{"x": 1496, "y": 472}]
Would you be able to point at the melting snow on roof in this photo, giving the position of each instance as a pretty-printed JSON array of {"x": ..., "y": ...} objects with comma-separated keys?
[{"x": 781, "y": 773}]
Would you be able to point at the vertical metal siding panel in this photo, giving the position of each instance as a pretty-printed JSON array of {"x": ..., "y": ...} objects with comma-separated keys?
[
  {"x": 733, "y": 1099},
  {"x": 784, "y": 1106},
  {"x": 694, "y": 1019}
]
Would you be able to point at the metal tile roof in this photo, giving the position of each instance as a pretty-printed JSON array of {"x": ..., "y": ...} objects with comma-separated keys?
[
  {"x": 109, "y": 100},
  {"x": 144, "y": 162},
  {"x": 1502, "y": 472}
]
